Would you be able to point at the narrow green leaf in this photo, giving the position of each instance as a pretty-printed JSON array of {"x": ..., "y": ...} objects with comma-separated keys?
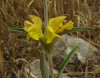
[
  {"x": 17, "y": 29},
  {"x": 64, "y": 63},
  {"x": 75, "y": 29},
  {"x": 82, "y": 29}
]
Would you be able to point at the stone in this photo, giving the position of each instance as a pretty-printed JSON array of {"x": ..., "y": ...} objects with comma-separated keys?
[{"x": 67, "y": 43}]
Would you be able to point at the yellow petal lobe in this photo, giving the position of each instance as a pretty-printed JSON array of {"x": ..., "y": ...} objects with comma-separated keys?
[
  {"x": 27, "y": 24},
  {"x": 67, "y": 26},
  {"x": 51, "y": 34},
  {"x": 35, "y": 32},
  {"x": 56, "y": 22},
  {"x": 34, "y": 35},
  {"x": 28, "y": 36},
  {"x": 36, "y": 20}
]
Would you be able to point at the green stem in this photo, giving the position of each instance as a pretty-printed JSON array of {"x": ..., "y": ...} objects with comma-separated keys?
[
  {"x": 45, "y": 12},
  {"x": 50, "y": 65},
  {"x": 43, "y": 66}
]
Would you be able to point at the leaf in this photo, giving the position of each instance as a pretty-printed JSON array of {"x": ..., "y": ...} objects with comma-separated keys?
[
  {"x": 75, "y": 29},
  {"x": 64, "y": 63},
  {"x": 82, "y": 29},
  {"x": 17, "y": 29}
]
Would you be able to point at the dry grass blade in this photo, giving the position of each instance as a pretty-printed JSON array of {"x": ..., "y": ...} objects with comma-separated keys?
[{"x": 1, "y": 59}]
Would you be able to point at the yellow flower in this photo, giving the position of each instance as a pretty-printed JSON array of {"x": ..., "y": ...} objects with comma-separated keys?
[
  {"x": 54, "y": 27},
  {"x": 33, "y": 29},
  {"x": 51, "y": 34}
]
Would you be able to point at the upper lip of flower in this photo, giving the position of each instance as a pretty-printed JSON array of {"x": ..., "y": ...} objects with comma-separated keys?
[
  {"x": 34, "y": 28},
  {"x": 54, "y": 27}
]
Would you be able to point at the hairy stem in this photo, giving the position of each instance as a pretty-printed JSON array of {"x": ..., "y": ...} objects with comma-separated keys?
[
  {"x": 45, "y": 12},
  {"x": 50, "y": 65},
  {"x": 43, "y": 66}
]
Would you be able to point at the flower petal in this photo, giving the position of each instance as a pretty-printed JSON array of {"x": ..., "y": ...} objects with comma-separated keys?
[
  {"x": 67, "y": 26},
  {"x": 27, "y": 24},
  {"x": 36, "y": 20},
  {"x": 28, "y": 36},
  {"x": 51, "y": 34},
  {"x": 34, "y": 35},
  {"x": 35, "y": 32},
  {"x": 56, "y": 22},
  {"x": 35, "y": 29}
]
